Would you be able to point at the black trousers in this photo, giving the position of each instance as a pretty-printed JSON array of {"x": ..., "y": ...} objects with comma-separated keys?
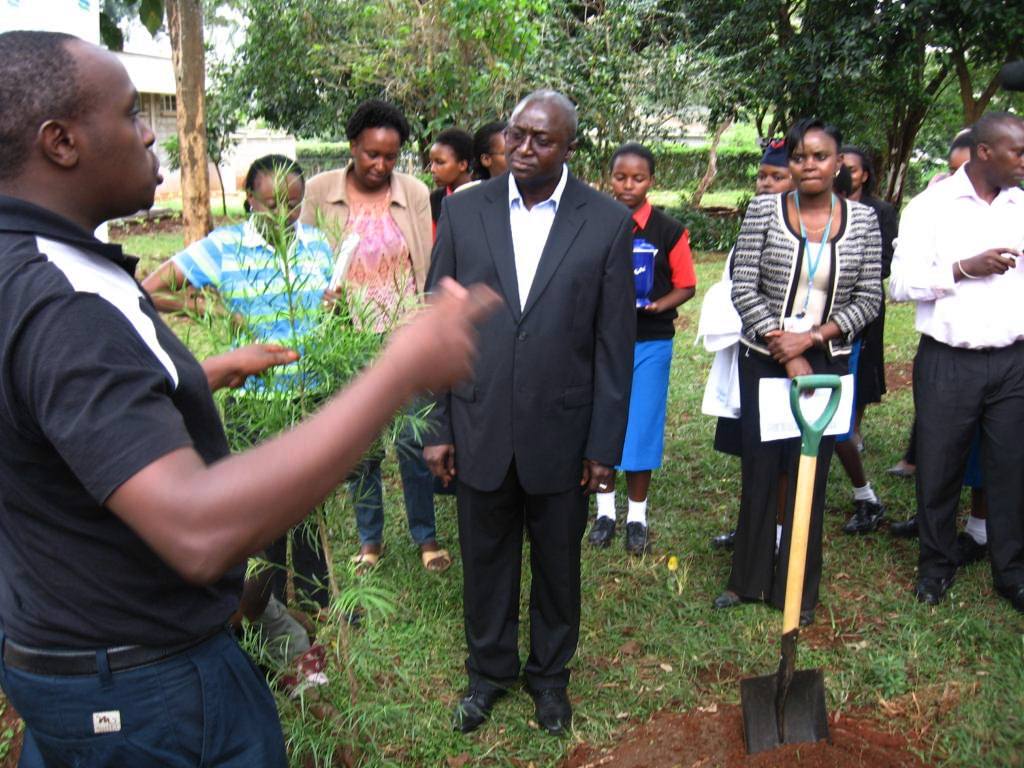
[
  {"x": 956, "y": 392},
  {"x": 756, "y": 573},
  {"x": 491, "y": 525},
  {"x": 308, "y": 560}
]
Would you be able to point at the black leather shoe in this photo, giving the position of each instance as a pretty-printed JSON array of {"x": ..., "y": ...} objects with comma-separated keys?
[
  {"x": 554, "y": 712},
  {"x": 867, "y": 515},
  {"x": 930, "y": 589},
  {"x": 724, "y": 540},
  {"x": 727, "y": 599},
  {"x": 474, "y": 708},
  {"x": 1015, "y": 595},
  {"x": 970, "y": 550},
  {"x": 602, "y": 532},
  {"x": 906, "y": 529},
  {"x": 636, "y": 538},
  {"x": 806, "y": 617}
]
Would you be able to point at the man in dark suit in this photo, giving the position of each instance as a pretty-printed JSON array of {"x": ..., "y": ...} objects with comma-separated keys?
[{"x": 542, "y": 423}]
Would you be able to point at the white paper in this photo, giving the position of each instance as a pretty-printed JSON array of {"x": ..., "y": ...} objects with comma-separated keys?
[
  {"x": 777, "y": 422},
  {"x": 348, "y": 247},
  {"x": 722, "y": 392}
]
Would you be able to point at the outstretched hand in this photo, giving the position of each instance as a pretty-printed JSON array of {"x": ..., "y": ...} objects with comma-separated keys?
[
  {"x": 437, "y": 346},
  {"x": 231, "y": 369}
]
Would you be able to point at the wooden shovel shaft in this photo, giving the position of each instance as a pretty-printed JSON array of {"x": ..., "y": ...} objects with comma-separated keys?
[{"x": 798, "y": 542}]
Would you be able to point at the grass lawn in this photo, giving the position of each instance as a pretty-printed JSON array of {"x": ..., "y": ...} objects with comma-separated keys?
[
  {"x": 952, "y": 676},
  {"x": 714, "y": 198}
]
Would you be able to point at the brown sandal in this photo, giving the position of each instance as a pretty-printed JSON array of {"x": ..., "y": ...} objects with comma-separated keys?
[
  {"x": 366, "y": 560},
  {"x": 436, "y": 560}
]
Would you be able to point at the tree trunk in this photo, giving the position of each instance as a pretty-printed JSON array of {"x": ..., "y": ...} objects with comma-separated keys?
[
  {"x": 904, "y": 125},
  {"x": 712, "y": 170},
  {"x": 973, "y": 107},
  {"x": 185, "y": 24},
  {"x": 901, "y": 137}
]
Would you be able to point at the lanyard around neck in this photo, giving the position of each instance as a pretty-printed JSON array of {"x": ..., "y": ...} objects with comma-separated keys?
[{"x": 815, "y": 262}]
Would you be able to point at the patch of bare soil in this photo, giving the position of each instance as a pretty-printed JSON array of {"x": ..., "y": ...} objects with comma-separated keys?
[
  {"x": 712, "y": 737},
  {"x": 151, "y": 222},
  {"x": 899, "y": 376}
]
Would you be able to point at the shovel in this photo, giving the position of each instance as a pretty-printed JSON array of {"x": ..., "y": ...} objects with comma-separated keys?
[{"x": 789, "y": 706}]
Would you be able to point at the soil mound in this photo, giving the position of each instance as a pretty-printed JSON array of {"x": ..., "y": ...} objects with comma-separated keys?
[{"x": 712, "y": 737}]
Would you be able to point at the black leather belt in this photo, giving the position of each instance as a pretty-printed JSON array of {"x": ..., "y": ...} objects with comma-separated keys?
[{"x": 39, "y": 661}]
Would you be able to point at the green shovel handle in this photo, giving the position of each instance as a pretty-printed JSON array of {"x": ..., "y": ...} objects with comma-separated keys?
[{"x": 811, "y": 433}]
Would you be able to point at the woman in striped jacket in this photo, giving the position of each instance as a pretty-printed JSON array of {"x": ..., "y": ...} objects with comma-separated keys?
[{"x": 806, "y": 280}]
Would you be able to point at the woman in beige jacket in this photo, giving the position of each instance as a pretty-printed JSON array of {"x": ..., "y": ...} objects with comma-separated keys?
[{"x": 390, "y": 213}]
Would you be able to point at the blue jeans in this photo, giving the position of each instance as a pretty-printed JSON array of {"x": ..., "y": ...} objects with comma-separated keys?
[
  {"x": 205, "y": 706},
  {"x": 417, "y": 488}
]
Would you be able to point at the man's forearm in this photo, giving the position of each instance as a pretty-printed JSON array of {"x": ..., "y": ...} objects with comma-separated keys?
[
  {"x": 239, "y": 505},
  {"x": 203, "y": 519}
]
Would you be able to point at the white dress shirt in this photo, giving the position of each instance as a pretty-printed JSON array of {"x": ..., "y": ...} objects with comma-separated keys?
[
  {"x": 946, "y": 223},
  {"x": 530, "y": 230}
]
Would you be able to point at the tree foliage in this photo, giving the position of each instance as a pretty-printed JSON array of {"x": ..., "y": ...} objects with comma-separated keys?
[
  {"x": 305, "y": 65},
  {"x": 874, "y": 68},
  {"x": 460, "y": 62}
]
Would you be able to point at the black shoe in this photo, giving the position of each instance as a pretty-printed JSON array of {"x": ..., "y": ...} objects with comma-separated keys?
[
  {"x": 636, "y": 538},
  {"x": 906, "y": 529},
  {"x": 602, "y": 532},
  {"x": 867, "y": 515},
  {"x": 1015, "y": 595},
  {"x": 554, "y": 712},
  {"x": 970, "y": 550},
  {"x": 902, "y": 469},
  {"x": 724, "y": 540},
  {"x": 474, "y": 708},
  {"x": 931, "y": 589},
  {"x": 727, "y": 599},
  {"x": 806, "y": 617}
]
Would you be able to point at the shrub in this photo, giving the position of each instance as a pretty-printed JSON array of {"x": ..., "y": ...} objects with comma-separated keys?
[
  {"x": 709, "y": 231},
  {"x": 315, "y": 156},
  {"x": 681, "y": 165}
]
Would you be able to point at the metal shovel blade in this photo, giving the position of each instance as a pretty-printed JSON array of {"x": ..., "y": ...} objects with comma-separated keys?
[{"x": 804, "y": 718}]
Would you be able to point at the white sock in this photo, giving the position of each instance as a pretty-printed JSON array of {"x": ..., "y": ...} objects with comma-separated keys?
[
  {"x": 637, "y": 512},
  {"x": 778, "y": 535},
  {"x": 976, "y": 530},
  {"x": 865, "y": 493},
  {"x": 606, "y": 504}
]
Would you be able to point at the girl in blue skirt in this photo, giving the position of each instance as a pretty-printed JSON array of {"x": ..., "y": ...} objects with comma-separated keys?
[{"x": 665, "y": 278}]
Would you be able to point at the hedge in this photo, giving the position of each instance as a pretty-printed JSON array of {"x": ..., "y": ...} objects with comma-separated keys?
[
  {"x": 683, "y": 166},
  {"x": 316, "y": 156},
  {"x": 709, "y": 231}
]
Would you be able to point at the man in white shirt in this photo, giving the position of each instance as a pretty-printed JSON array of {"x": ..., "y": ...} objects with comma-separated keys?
[
  {"x": 957, "y": 257},
  {"x": 543, "y": 422}
]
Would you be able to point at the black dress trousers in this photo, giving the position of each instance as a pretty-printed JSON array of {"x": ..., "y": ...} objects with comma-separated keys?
[
  {"x": 956, "y": 390},
  {"x": 756, "y": 572},
  {"x": 491, "y": 525}
]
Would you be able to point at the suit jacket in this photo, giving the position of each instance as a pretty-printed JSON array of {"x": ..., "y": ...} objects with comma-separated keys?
[{"x": 551, "y": 382}]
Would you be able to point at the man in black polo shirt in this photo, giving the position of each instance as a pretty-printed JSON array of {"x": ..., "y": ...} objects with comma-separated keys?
[{"x": 123, "y": 521}]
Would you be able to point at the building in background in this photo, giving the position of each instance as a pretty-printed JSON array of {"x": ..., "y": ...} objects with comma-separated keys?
[{"x": 148, "y": 62}]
